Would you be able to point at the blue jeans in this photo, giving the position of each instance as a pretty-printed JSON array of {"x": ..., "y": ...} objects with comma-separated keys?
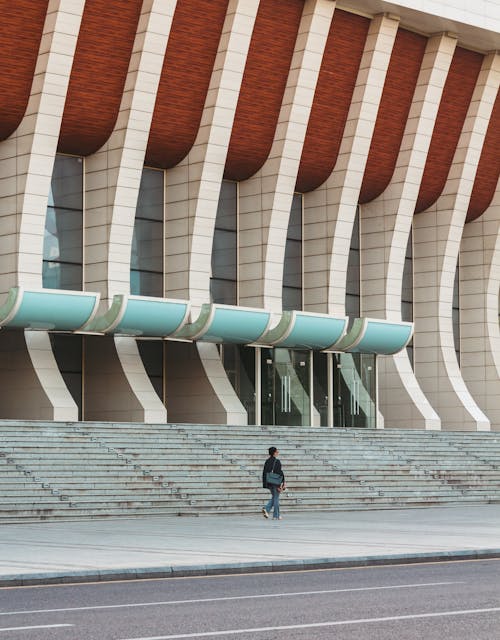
[{"x": 274, "y": 502}]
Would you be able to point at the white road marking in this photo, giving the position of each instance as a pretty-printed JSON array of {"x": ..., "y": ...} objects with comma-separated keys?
[
  {"x": 40, "y": 626},
  {"x": 333, "y": 623},
  {"x": 223, "y": 598}
]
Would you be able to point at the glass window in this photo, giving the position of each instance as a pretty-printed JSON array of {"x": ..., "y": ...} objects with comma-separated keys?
[
  {"x": 292, "y": 298},
  {"x": 223, "y": 283},
  {"x": 146, "y": 263},
  {"x": 292, "y": 267},
  {"x": 147, "y": 246},
  {"x": 223, "y": 291},
  {"x": 320, "y": 385},
  {"x": 224, "y": 255},
  {"x": 228, "y": 206},
  {"x": 292, "y": 273},
  {"x": 353, "y": 289},
  {"x": 150, "y": 199},
  {"x": 66, "y": 188},
  {"x": 407, "y": 292},
  {"x": 456, "y": 312},
  {"x": 63, "y": 235}
]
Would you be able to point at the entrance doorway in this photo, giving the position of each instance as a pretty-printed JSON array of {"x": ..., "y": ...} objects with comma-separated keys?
[
  {"x": 285, "y": 387},
  {"x": 302, "y": 388}
]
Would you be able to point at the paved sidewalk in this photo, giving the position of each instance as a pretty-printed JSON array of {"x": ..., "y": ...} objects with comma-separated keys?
[{"x": 169, "y": 546}]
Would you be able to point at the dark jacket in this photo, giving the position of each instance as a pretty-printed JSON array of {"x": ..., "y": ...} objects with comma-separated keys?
[{"x": 271, "y": 464}]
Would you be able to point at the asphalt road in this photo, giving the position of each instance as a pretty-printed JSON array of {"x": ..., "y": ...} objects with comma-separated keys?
[{"x": 453, "y": 601}]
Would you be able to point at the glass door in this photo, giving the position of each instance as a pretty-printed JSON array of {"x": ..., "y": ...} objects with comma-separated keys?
[
  {"x": 285, "y": 387},
  {"x": 354, "y": 390}
]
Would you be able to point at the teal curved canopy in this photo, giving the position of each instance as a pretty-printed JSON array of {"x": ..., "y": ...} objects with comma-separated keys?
[
  {"x": 227, "y": 324},
  {"x": 303, "y": 330},
  {"x": 141, "y": 316},
  {"x": 382, "y": 337},
  {"x": 49, "y": 309}
]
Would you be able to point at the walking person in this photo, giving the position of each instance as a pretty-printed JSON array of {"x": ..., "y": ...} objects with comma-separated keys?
[{"x": 273, "y": 479}]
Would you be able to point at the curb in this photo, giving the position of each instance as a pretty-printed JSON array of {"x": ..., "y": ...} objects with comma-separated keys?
[{"x": 182, "y": 571}]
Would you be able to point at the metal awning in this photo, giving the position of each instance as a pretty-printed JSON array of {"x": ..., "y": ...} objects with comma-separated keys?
[
  {"x": 141, "y": 316},
  {"x": 304, "y": 330},
  {"x": 371, "y": 335},
  {"x": 48, "y": 309},
  {"x": 227, "y": 324}
]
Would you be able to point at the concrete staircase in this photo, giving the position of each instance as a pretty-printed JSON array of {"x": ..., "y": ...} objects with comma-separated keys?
[{"x": 87, "y": 470}]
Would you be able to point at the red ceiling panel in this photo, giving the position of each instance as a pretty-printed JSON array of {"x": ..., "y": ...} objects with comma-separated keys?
[
  {"x": 400, "y": 83},
  {"x": 263, "y": 86},
  {"x": 98, "y": 74},
  {"x": 21, "y": 28},
  {"x": 455, "y": 101},
  {"x": 488, "y": 171},
  {"x": 187, "y": 68},
  {"x": 336, "y": 82}
]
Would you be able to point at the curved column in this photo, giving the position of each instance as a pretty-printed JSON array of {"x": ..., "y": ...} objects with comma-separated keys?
[
  {"x": 384, "y": 247},
  {"x": 192, "y": 196},
  {"x": 266, "y": 198},
  {"x": 479, "y": 326},
  {"x": 112, "y": 181},
  {"x": 26, "y": 164},
  {"x": 27, "y": 156},
  {"x": 437, "y": 236},
  {"x": 113, "y": 174},
  {"x": 330, "y": 210},
  {"x": 193, "y": 186}
]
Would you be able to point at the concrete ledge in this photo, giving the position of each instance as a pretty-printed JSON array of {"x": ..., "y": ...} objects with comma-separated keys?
[{"x": 178, "y": 571}]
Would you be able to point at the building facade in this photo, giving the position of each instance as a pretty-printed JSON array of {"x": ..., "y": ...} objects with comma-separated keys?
[{"x": 251, "y": 211}]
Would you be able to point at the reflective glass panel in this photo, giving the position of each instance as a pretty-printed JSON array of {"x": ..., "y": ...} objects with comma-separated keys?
[
  {"x": 456, "y": 312},
  {"x": 292, "y": 266},
  {"x": 146, "y": 261},
  {"x": 228, "y": 206},
  {"x": 147, "y": 246},
  {"x": 63, "y": 233},
  {"x": 292, "y": 299},
  {"x": 224, "y": 255},
  {"x": 354, "y": 390},
  {"x": 223, "y": 291},
  {"x": 223, "y": 282},
  {"x": 63, "y": 236},
  {"x": 66, "y": 188},
  {"x": 61, "y": 275},
  {"x": 150, "y": 199},
  {"x": 320, "y": 386},
  {"x": 353, "y": 289},
  {"x": 285, "y": 387},
  {"x": 146, "y": 283}
]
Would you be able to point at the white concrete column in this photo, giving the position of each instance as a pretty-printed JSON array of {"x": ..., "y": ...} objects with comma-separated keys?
[
  {"x": 27, "y": 156},
  {"x": 402, "y": 401},
  {"x": 112, "y": 181},
  {"x": 26, "y": 164},
  {"x": 330, "y": 210},
  {"x": 113, "y": 174},
  {"x": 193, "y": 186},
  {"x": 192, "y": 196},
  {"x": 479, "y": 327},
  {"x": 437, "y": 236},
  {"x": 266, "y": 198}
]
